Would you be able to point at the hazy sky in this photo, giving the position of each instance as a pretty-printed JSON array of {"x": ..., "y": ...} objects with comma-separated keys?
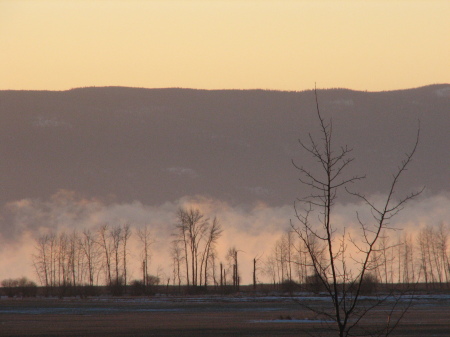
[{"x": 211, "y": 44}]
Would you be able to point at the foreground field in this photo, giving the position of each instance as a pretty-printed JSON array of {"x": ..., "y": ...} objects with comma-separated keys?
[{"x": 199, "y": 316}]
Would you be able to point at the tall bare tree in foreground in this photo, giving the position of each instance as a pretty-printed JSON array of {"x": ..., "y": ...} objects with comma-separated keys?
[{"x": 343, "y": 274}]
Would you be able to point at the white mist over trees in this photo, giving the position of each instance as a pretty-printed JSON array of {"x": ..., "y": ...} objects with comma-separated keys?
[{"x": 254, "y": 230}]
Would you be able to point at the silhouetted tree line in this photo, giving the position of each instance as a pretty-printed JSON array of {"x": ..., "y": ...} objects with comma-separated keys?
[
  {"x": 76, "y": 263},
  {"x": 395, "y": 260},
  {"x": 64, "y": 261},
  {"x": 79, "y": 261},
  {"x": 67, "y": 262}
]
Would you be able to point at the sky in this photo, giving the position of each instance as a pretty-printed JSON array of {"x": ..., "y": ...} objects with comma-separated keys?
[
  {"x": 212, "y": 44},
  {"x": 224, "y": 44}
]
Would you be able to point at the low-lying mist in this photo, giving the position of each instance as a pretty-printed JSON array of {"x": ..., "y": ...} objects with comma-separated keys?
[{"x": 252, "y": 229}]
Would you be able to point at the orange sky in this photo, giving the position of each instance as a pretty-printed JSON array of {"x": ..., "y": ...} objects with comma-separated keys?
[{"x": 212, "y": 44}]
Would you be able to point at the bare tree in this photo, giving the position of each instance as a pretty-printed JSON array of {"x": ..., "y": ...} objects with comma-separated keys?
[
  {"x": 126, "y": 233},
  {"x": 73, "y": 259},
  {"x": 63, "y": 260},
  {"x": 423, "y": 249},
  {"x": 386, "y": 259},
  {"x": 198, "y": 237},
  {"x": 116, "y": 237},
  {"x": 41, "y": 260},
  {"x": 105, "y": 244},
  {"x": 232, "y": 259},
  {"x": 89, "y": 248},
  {"x": 434, "y": 259},
  {"x": 270, "y": 268},
  {"x": 196, "y": 227},
  {"x": 301, "y": 258},
  {"x": 145, "y": 236},
  {"x": 327, "y": 245},
  {"x": 283, "y": 249},
  {"x": 183, "y": 236},
  {"x": 214, "y": 233},
  {"x": 213, "y": 267},
  {"x": 442, "y": 236},
  {"x": 177, "y": 257},
  {"x": 59, "y": 261},
  {"x": 53, "y": 258},
  {"x": 408, "y": 260},
  {"x": 280, "y": 251},
  {"x": 256, "y": 268}
]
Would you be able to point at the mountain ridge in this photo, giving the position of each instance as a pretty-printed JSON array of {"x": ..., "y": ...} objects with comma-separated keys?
[
  {"x": 206, "y": 90},
  {"x": 155, "y": 145}
]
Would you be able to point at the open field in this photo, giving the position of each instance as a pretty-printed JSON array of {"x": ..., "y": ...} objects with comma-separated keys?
[{"x": 198, "y": 316}]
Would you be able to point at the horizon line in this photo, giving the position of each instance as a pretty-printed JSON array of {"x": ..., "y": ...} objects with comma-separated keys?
[{"x": 223, "y": 89}]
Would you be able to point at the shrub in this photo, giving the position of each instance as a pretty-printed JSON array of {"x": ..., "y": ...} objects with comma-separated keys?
[
  {"x": 314, "y": 284},
  {"x": 369, "y": 284},
  {"x": 19, "y": 287},
  {"x": 137, "y": 288},
  {"x": 289, "y": 286},
  {"x": 117, "y": 287}
]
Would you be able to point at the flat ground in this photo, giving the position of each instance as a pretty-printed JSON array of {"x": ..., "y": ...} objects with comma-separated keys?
[{"x": 201, "y": 316}]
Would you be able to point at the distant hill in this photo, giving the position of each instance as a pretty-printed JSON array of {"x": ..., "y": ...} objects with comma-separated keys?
[{"x": 155, "y": 145}]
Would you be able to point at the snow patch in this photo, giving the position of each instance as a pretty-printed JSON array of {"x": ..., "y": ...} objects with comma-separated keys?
[
  {"x": 258, "y": 190},
  {"x": 301, "y": 321},
  {"x": 443, "y": 92},
  {"x": 43, "y": 122},
  {"x": 344, "y": 102},
  {"x": 183, "y": 171}
]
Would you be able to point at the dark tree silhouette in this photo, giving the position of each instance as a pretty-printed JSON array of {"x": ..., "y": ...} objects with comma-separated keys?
[{"x": 341, "y": 274}]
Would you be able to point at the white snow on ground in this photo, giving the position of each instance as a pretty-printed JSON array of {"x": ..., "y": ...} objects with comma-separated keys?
[
  {"x": 78, "y": 311},
  {"x": 244, "y": 298},
  {"x": 422, "y": 299},
  {"x": 290, "y": 321}
]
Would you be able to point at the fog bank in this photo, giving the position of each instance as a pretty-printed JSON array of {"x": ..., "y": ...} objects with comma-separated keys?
[{"x": 252, "y": 229}]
